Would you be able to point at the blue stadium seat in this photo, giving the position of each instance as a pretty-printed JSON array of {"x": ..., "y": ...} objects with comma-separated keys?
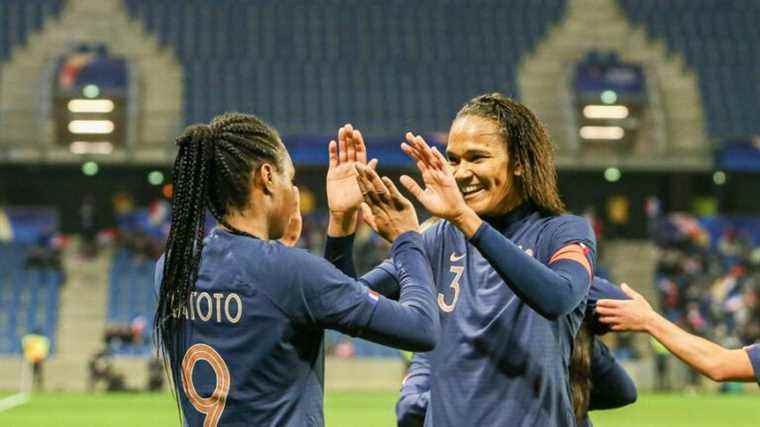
[
  {"x": 131, "y": 296},
  {"x": 28, "y": 299},
  {"x": 301, "y": 65},
  {"x": 721, "y": 42},
  {"x": 18, "y": 18}
]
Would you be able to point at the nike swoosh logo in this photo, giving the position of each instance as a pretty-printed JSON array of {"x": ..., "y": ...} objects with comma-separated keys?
[{"x": 455, "y": 258}]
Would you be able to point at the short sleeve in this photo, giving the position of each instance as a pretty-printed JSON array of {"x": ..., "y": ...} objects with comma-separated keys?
[{"x": 754, "y": 357}]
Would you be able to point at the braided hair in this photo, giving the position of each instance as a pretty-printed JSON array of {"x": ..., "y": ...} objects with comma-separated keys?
[
  {"x": 212, "y": 172},
  {"x": 528, "y": 146}
]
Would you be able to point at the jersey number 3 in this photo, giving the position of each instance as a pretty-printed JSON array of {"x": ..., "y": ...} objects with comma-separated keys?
[
  {"x": 211, "y": 406},
  {"x": 458, "y": 270}
]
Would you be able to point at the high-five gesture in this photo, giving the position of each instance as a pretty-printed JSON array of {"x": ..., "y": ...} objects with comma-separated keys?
[
  {"x": 343, "y": 195},
  {"x": 385, "y": 209},
  {"x": 441, "y": 196}
]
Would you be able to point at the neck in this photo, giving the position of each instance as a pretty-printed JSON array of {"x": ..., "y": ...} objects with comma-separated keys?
[
  {"x": 512, "y": 201},
  {"x": 249, "y": 222}
]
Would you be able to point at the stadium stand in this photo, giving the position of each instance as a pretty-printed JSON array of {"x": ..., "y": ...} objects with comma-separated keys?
[
  {"x": 719, "y": 40},
  {"x": 29, "y": 298},
  {"x": 18, "y": 18},
  {"x": 287, "y": 60},
  {"x": 131, "y": 302}
]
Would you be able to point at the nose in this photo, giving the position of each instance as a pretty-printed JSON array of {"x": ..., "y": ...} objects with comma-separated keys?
[{"x": 461, "y": 172}]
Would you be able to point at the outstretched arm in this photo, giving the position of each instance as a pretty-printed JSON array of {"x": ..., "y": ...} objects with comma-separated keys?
[
  {"x": 334, "y": 301},
  {"x": 708, "y": 358}
]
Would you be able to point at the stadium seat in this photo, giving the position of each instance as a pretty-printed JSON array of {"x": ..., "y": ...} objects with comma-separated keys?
[
  {"x": 130, "y": 297},
  {"x": 18, "y": 18},
  {"x": 721, "y": 43},
  {"x": 288, "y": 60},
  {"x": 28, "y": 299}
]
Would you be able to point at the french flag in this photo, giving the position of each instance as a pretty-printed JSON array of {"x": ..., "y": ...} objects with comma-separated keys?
[{"x": 373, "y": 296}]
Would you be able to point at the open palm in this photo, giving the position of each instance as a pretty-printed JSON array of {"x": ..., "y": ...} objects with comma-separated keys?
[
  {"x": 441, "y": 196},
  {"x": 343, "y": 194}
]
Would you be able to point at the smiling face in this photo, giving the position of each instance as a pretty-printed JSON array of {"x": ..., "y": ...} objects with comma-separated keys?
[{"x": 480, "y": 163}]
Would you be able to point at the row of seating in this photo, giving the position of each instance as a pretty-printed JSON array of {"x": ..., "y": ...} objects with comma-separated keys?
[
  {"x": 720, "y": 40},
  {"x": 29, "y": 299},
  {"x": 387, "y": 66},
  {"x": 131, "y": 299},
  {"x": 313, "y": 97},
  {"x": 19, "y": 18}
]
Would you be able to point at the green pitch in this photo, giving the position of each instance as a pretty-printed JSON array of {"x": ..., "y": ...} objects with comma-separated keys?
[{"x": 368, "y": 409}]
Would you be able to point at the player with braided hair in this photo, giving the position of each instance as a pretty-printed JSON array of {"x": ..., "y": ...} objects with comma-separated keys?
[{"x": 241, "y": 316}]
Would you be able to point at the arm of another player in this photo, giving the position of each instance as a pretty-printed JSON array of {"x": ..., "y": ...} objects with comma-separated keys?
[
  {"x": 611, "y": 386},
  {"x": 333, "y": 300},
  {"x": 552, "y": 290},
  {"x": 410, "y": 324},
  {"x": 381, "y": 279},
  {"x": 415, "y": 393},
  {"x": 709, "y": 359}
]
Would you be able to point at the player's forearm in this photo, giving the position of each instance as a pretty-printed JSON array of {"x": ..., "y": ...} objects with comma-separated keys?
[
  {"x": 411, "y": 409},
  {"x": 342, "y": 223},
  {"x": 412, "y": 322},
  {"x": 552, "y": 292},
  {"x": 339, "y": 251},
  {"x": 381, "y": 279},
  {"x": 615, "y": 389},
  {"x": 697, "y": 352}
]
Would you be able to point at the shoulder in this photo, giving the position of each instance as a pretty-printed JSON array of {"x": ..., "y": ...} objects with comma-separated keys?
[
  {"x": 560, "y": 230},
  {"x": 435, "y": 232},
  {"x": 567, "y": 224}
]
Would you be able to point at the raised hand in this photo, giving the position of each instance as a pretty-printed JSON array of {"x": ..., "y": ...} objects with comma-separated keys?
[
  {"x": 295, "y": 224},
  {"x": 441, "y": 196},
  {"x": 384, "y": 208},
  {"x": 343, "y": 195}
]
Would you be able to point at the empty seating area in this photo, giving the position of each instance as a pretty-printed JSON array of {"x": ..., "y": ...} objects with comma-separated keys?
[
  {"x": 19, "y": 18},
  {"x": 131, "y": 300},
  {"x": 29, "y": 298},
  {"x": 721, "y": 42},
  {"x": 299, "y": 63}
]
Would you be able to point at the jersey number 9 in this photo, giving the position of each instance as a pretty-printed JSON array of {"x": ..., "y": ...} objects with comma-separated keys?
[{"x": 213, "y": 405}]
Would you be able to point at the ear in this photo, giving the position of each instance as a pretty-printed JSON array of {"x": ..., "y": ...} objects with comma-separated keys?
[
  {"x": 265, "y": 178},
  {"x": 518, "y": 169}
]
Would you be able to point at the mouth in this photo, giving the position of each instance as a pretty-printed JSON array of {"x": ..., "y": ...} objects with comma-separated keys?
[{"x": 470, "y": 191}]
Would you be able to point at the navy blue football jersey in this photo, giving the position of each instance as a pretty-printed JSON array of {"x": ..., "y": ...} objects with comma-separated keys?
[
  {"x": 498, "y": 360},
  {"x": 253, "y": 344}
]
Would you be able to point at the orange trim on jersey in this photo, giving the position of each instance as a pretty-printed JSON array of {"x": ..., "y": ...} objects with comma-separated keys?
[{"x": 573, "y": 252}]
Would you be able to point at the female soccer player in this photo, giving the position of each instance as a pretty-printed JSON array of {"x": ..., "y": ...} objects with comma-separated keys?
[
  {"x": 240, "y": 317},
  {"x": 607, "y": 386},
  {"x": 709, "y": 359},
  {"x": 512, "y": 271}
]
